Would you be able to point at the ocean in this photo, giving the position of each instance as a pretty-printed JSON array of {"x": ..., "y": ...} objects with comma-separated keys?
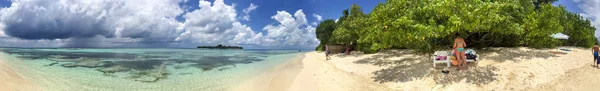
[{"x": 141, "y": 69}]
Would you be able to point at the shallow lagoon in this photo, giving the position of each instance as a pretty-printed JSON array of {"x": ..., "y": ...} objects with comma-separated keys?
[{"x": 142, "y": 69}]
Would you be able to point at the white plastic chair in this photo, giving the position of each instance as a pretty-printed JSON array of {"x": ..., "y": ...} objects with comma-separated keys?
[{"x": 441, "y": 53}]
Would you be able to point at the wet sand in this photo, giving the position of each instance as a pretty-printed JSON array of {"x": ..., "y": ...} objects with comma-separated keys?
[
  {"x": 279, "y": 78},
  {"x": 11, "y": 80},
  {"x": 286, "y": 75}
]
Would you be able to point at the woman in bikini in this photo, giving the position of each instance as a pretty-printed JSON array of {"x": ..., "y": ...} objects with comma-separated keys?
[{"x": 459, "y": 48}]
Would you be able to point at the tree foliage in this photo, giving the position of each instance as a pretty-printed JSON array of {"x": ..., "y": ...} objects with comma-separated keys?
[
  {"x": 347, "y": 31},
  {"x": 427, "y": 25},
  {"x": 324, "y": 31}
]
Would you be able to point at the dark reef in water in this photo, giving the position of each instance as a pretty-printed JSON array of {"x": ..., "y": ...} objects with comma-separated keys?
[
  {"x": 52, "y": 64},
  {"x": 143, "y": 67}
]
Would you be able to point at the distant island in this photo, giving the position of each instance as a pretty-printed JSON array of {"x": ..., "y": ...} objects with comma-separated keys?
[{"x": 221, "y": 47}]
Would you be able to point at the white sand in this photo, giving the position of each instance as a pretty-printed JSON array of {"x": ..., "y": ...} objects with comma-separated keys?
[
  {"x": 11, "y": 80},
  {"x": 586, "y": 78},
  {"x": 498, "y": 69},
  {"x": 279, "y": 78},
  {"x": 320, "y": 75}
]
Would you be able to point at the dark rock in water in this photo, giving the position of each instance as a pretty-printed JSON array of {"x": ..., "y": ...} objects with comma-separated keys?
[
  {"x": 52, "y": 64},
  {"x": 114, "y": 69},
  {"x": 60, "y": 60},
  {"x": 87, "y": 63},
  {"x": 139, "y": 65},
  {"x": 223, "y": 69},
  {"x": 179, "y": 67},
  {"x": 146, "y": 78},
  {"x": 69, "y": 65},
  {"x": 150, "y": 75},
  {"x": 110, "y": 75},
  {"x": 184, "y": 73}
]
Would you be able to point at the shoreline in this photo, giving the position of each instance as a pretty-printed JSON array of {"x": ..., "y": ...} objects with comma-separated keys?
[
  {"x": 10, "y": 80},
  {"x": 278, "y": 78},
  {"x": 286, "y": 75}
]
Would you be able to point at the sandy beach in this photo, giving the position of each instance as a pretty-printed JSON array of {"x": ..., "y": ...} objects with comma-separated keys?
[
  {"x": 505, "y": 69},
  {"x": 11, "y": 80}
]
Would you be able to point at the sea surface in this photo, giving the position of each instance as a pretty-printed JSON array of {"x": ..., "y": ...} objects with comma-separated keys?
[{"x": 141, "y": 69}]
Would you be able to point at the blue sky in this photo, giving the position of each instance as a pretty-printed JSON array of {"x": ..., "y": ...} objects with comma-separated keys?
[
  {"x": 570, "y": 5},
  {"x": 586, "y": 8},
  {"x": 328, "y": 9},
  {"x": 260, "y": 24},
  {"x": 268, "y": 24}
]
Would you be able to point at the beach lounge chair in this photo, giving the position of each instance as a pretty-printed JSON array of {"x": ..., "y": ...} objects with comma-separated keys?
[
  {"x": 564, "y": 49},
  {"x": 559, "y": 51},
  {"x": 441, "y": 57}
]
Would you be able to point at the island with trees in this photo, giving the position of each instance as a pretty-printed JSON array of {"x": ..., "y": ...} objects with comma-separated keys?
[{"x": 220, "y": 47}]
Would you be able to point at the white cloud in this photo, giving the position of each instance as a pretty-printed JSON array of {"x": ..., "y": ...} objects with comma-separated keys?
[
  {"x": 591, "y": 11},
  {"x": 108, "y": 23},
  {"x": 216, "y": 24},
  {"x": 246, "y": 11},
  {"x": 336, "y": 20},
  {"x": 250, "y": 8},
  {"x": 291, "y": 31},
  {"x": 2, "y": 30},
  {"x": 149, "y": 21},
  {"x": 319, "y": 18}
]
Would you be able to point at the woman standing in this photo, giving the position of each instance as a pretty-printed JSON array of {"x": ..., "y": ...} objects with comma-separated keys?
[{"x": 459, "y": 48}]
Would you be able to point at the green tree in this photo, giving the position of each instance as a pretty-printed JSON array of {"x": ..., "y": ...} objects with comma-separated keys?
[
  {"x": 347, "y": 29},
  {"x": 324, "y": 31},
  {"x": 538, "y": 3},
  {"x": 427, "y": 25}
]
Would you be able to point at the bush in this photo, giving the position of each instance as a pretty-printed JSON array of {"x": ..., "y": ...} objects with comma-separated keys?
[
  {"x": 430, "y": 25},
  {"x": 321, "y": 47}
]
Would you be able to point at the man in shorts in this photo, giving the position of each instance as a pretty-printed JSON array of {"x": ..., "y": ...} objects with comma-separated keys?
[
  {"x": 595, "y": 51},
  {"x": 327, "y": 52}
]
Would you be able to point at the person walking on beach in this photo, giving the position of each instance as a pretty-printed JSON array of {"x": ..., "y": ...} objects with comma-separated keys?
[
  {"x": 327, "y": 52},
  {"x": 459, "y": 48},
  {"x": 595, "y": 51}
]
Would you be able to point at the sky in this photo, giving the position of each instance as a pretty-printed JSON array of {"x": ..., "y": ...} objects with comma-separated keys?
[
  {"x": 253, "y": 24},
  {"x": 589, "y": 9}
]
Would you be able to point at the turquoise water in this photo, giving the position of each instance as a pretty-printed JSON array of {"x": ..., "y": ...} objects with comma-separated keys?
[{"x": 77, "y": 69}]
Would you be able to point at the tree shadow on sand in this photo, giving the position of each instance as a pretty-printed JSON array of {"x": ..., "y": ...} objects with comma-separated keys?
[
  {"x": 512, "y": 54},
  {"x": 412, "y": 67}
]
